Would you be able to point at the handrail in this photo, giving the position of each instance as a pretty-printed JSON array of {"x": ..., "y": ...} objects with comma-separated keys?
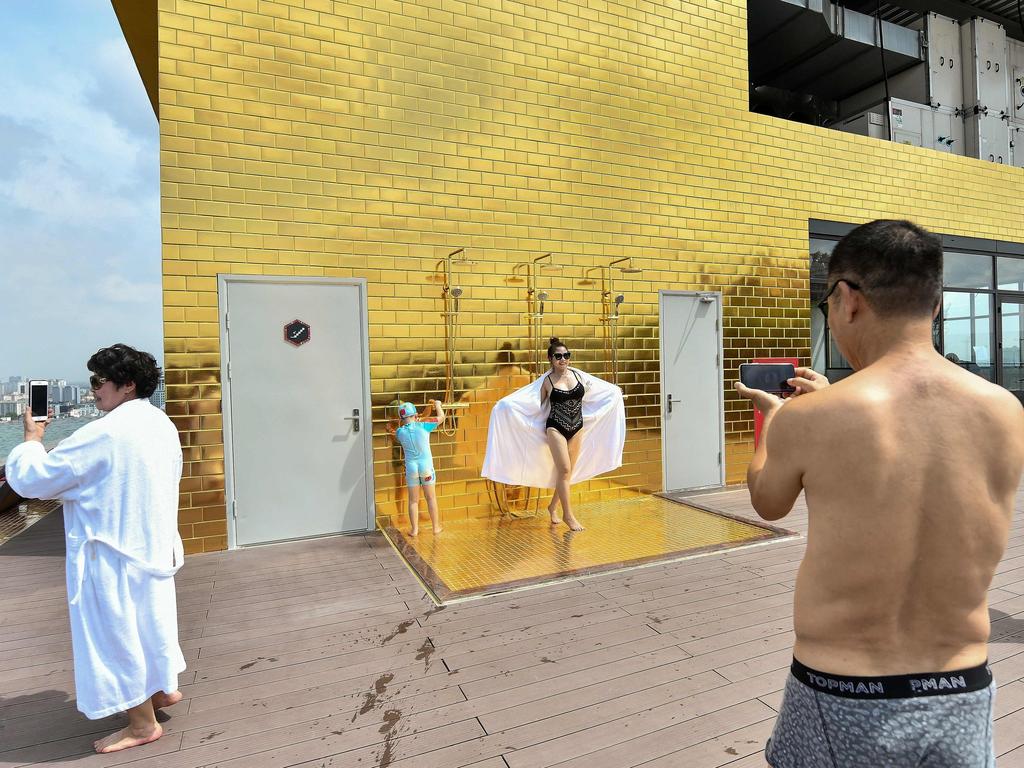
[{"x": 8, "y": 498}]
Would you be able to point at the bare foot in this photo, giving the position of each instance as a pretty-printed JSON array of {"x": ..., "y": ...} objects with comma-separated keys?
[
  {"x": 414, "y": 531},
  {"x": 161, "y": 699},
  {"x": 438, "y": 529},
  {"x": 125, "y": 739},
  {"x": 553, "y": 514},
  {"x": 572, "y": 522}
]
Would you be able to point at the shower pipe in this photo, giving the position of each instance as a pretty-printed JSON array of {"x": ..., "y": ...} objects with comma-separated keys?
[
  {"x": 535, "y": 306},
  {"x": 450, "y": 296},
  {"x": 606, "y": 343},
  {"x": 612, "y": 301}
]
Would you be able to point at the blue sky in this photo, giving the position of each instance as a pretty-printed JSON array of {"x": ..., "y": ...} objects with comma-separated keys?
[{"x": 79, "y": 191}]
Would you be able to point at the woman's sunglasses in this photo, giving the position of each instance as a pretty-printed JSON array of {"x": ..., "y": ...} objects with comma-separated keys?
[
  {"x": 561, "y": 355},
  {"x": 97, "y": 381}
]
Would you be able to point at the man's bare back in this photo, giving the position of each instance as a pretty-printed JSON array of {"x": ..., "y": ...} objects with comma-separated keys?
[{"x": 910, "y": 468}]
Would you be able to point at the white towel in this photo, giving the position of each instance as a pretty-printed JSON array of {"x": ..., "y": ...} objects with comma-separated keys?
[{"x": 517, "y": 450}]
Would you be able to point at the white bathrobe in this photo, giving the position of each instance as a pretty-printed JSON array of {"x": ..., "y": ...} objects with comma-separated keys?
[
  {"x": 517, "y": 450},
  {"x": 118, "y": 478}
]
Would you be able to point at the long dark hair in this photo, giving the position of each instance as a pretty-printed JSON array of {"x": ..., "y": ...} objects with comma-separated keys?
[{"x": 555, "y": 343}]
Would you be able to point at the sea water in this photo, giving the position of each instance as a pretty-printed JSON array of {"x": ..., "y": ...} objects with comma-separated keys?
[{"x": 12, "y": 433}]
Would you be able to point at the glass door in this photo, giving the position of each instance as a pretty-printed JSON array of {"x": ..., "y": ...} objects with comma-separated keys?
[{"x": 1011, "y": 341}]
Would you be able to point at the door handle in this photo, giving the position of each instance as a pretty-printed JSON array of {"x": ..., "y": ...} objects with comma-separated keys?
[
  {"x": 355, "y": 419},
  {"x": 670, "y": 401}
]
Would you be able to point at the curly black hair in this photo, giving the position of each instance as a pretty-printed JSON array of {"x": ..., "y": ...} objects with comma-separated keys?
[{"x": 122, "y": 364}]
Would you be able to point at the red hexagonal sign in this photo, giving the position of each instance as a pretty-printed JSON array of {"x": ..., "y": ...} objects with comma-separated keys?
[{"x": 297, "y": 332}]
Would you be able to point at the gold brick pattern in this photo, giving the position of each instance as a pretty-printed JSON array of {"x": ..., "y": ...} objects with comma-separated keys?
[{"x": 369, "y": 138}]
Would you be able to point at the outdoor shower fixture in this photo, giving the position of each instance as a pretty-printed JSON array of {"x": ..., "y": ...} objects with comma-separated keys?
[
  {"x": 618, "y": 300},
  {"x": 535, "y": 300},
  {"x": 610, "y": 303},
  {"x": 450, "y": 295},
  {"x": 541, "y": 297}
]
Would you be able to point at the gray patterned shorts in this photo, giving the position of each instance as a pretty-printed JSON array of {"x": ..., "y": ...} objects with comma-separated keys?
[{"x": 816, "y": 729}]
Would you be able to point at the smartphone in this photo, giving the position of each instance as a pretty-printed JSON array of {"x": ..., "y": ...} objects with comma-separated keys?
[
  {"x": 39, "y": 400},
  {"x": 769, "y": 377}
]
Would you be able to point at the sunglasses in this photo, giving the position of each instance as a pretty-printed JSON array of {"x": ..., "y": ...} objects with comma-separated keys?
[
  {"x": 823, "y": 304},
  {"x": 95, "y": 382},
  {"x": 561, "y": 355}
]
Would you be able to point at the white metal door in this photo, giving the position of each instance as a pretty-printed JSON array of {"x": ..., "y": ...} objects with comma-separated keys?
[
  {"x": 693, "y": 419},
  {"x": 295, "y": 371}
]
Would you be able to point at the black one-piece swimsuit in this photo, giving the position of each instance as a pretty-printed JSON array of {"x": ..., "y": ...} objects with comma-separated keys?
[{"x": 566, "y": 410}]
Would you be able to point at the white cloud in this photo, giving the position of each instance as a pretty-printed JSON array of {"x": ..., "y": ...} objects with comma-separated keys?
[
  {"x": 79, "y": 196},
  {"x": 87, "y": 168},
  {"x": 120, "y": 290},
  {"x": 52, "y": 188}
]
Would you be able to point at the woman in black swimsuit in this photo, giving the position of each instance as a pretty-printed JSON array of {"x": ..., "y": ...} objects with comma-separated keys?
[{"x": 563, "y": 390}]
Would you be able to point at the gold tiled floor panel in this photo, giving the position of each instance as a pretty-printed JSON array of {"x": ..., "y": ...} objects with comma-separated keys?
[{"x": 493, "y": 554}]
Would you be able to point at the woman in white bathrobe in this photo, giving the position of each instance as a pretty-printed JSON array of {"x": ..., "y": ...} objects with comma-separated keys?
[
  {"x": 565, "y": 427},
  {"x": 118, "y": 478}
]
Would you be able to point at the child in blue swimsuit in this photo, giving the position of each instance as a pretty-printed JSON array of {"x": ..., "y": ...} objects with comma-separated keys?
[{"x": 414, "y": 437}]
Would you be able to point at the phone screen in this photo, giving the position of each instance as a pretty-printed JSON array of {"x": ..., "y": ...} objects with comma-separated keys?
[
  {"x": 37, "y": 399},
  {"x": 769, "y": 377}
]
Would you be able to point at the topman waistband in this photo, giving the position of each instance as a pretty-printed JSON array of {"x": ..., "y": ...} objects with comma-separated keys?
[{"x": 894, "y": 686}]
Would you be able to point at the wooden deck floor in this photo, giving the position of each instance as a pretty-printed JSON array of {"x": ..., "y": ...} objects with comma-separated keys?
[{"x": 327, "y": 653}]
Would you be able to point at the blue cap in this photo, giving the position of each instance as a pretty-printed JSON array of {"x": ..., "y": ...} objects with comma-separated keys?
[{"x": 406, "y": 410}]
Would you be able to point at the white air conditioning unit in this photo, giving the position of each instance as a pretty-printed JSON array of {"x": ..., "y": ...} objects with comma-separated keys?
[
  {"x": 1017, "y": 143},
  {"x": 906, "y": 122},
  {"x": 986, "y": 67},
  {"x": 938, "y": 128},
  {"x": 1016, "y": 51},
  {"x": 945, "y": 64},
  {"x": 866, "y": 124},
  {"x": 987, "y": 138}
]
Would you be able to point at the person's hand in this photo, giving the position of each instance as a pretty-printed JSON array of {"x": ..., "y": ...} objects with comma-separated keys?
[
  {"x": 765, "y": 402},
  {"x": 34, "y": 430},
  {"x": 807, "y": 380}
]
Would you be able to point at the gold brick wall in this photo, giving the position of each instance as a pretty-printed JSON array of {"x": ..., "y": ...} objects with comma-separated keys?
[{"x": 369, "y": 139}]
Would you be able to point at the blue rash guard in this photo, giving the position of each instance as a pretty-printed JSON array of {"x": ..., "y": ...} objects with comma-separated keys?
[{"x": 415, "y": 440}]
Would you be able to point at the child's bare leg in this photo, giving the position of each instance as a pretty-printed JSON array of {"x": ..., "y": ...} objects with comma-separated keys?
[
  {"x": 414, "y": 509},
  {"x": 430, "y": 492}
]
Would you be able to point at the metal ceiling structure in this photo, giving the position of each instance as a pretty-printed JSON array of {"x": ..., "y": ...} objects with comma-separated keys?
[
  {"x": 808, "y": 56},
  {"x": 820, "y": 48},
  {"x": 909, "y": 12}
]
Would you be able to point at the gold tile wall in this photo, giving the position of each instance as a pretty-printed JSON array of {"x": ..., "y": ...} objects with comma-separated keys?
[{"x": 369, "y": 138}]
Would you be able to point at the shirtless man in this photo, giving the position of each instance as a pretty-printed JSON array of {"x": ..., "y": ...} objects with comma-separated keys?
[{"x": 910, "y": 467}]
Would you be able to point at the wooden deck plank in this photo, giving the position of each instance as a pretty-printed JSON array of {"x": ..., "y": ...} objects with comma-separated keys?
[
  {"x": 327, "y": 652},
  {"x": 664, "y": 746}
]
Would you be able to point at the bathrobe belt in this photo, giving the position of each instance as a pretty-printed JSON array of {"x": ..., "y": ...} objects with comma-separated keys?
[{"x": 87, "y": 551}]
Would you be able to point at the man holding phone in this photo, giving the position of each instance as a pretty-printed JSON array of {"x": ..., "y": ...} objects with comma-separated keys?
[
  {"x": 910, "y": 468},
  {"x": 118, "y": 479}
]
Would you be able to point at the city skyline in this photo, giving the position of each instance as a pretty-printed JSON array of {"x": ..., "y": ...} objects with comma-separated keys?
[{"x": 79, "y": 191}]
